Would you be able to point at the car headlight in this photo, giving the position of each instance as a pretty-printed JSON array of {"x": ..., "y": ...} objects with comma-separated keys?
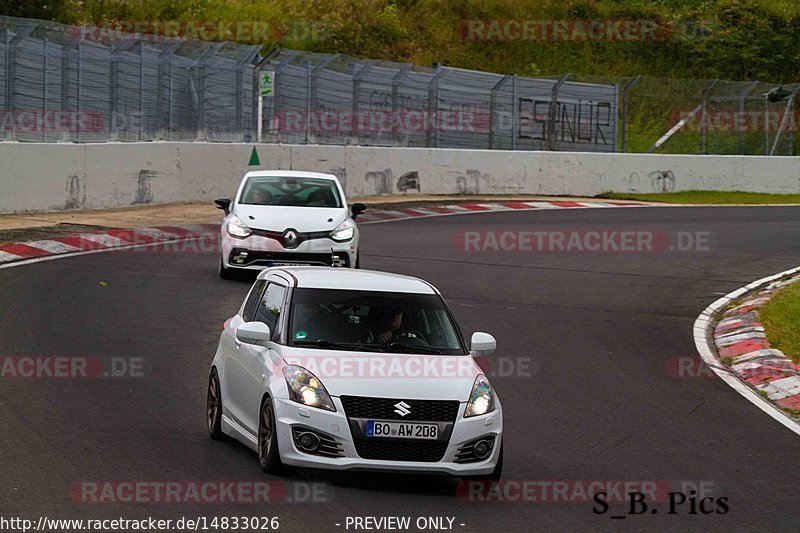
[
  {"x": 237, "y": 228},
  {"x": 481, "y": 399},
  {"x": 305, "y": 388},
  {"x": 344, "y": 232}
]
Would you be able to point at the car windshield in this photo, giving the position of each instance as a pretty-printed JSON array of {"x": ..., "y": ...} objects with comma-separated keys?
[
  {"x": 291, "y": 191},
  {"x": 377, "y": 321}
]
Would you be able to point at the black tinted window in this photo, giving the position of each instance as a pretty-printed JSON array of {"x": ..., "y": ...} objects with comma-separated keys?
[
  {"x": 373, "y": 319},
  {"x": 249, "y": 311},
  {"x": 269, "y": 308}
]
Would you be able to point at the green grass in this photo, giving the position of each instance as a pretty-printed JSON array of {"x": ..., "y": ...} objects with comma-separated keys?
[
  {"x": 781, "y": 319},
  {"x": 727, "y": 39},
  {"x": 707, "y": 197}
]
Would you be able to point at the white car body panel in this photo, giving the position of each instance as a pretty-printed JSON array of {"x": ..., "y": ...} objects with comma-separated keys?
[
  {"x": 279, "y": 219},
  {"x": 248, "y": 372}
]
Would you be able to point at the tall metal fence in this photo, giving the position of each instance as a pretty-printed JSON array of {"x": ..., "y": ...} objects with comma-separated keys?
[
  {"x": 321, "y": 98},
  {"x": 58, "y": 85},
  {"x": 63, "y": 83}
]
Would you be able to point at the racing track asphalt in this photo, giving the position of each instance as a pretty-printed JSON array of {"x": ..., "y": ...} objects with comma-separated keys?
[{"x": 599, "y": 332}]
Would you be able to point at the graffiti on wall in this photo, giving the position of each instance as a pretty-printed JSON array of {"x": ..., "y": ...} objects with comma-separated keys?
[
  {"x": 144, "y": 193},
  {"x": 76, "y": 193}
]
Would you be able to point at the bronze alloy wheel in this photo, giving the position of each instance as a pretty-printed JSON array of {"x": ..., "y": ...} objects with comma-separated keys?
[{"x": 214, "y": 407}]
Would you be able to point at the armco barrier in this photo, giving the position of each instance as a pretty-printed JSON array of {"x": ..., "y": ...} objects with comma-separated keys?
[{"x": 37, "y": 176}]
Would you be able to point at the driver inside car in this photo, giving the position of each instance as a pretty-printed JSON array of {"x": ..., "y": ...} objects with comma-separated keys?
[{"x": 392, "y": 323}]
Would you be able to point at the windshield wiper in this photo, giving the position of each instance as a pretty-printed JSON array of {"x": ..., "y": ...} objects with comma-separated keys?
[
  {"x": 325, "y": 343},
  {"x": 398, "y": 346}
]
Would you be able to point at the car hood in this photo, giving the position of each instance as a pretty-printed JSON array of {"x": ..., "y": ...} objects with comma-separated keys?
[
  {"x": 281, "y": 218},
  {"x": 383, "y": 375}
]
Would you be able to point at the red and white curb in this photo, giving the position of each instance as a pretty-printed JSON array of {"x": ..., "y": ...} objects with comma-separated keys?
[
  {"x": 732, "y": 333},
  {"x": 126, "y": 238},
  {"x": 483, "y": 207},
  {"x": 104, "y": 241}
]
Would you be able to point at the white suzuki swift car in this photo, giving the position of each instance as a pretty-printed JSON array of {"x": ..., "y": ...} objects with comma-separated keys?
[
  {"x": 286, "y": 217},
  {"x": 351, "y": 369}
]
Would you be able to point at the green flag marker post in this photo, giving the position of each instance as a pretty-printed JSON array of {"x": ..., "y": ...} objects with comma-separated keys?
[{"x": 254, "y": 160}]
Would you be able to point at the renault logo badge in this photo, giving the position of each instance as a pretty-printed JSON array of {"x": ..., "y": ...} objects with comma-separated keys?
[{"x": 290, "y": 239}]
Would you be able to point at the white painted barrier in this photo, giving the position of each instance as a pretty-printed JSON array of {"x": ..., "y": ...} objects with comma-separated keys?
[{"x": 59, "y": 176}]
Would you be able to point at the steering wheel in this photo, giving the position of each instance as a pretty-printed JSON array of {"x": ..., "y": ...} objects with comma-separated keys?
[{"x": 410, "y": 334}]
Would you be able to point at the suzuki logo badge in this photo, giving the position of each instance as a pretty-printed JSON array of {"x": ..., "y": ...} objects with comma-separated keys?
[{"x": 402, "y": 408}]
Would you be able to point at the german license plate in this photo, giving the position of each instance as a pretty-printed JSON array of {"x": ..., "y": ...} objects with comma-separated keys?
[
  {"x": 283, "y": 264},
  {"x": 401, "y": 430}
]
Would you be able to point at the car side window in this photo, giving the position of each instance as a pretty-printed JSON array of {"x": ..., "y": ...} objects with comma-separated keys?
[
  {"x": 270, "y": 306},
  {"x": 249, "y": 311}
]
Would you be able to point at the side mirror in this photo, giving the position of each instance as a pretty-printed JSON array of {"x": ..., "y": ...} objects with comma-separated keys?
[
  {"x": 253, "y": 333},
  {"x": 224, "y": 204},
  {"x": 357, "y": 209},
  {"x": 482, "y": 344}
]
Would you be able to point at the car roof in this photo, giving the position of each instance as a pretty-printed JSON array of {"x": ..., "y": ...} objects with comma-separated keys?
[
  {"x": 289, "y": 174},
  {"x": 317, "y": 277}
]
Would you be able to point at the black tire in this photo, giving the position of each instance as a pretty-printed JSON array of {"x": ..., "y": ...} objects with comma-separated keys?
[
  {"x": 269, "y": 456},
  {"x": 214, "y": 407},
  {"x": 495, "y": 474},
  {"x": 226, "y": 273}
]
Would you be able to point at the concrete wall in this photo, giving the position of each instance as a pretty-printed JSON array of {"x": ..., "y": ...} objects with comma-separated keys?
[{"x": 60, "y": 176}]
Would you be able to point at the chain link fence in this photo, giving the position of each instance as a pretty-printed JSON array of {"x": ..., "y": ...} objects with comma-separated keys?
[
  {"x": 334, "y": 99},
  {"x": 722, "y": 117},
  {"x": 57, "y": 85}
]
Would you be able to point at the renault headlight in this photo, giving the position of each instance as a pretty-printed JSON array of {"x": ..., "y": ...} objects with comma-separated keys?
[
  {"x": 305, "y": 388},
  {"x": 344, "y": 232},
  {"x": 237, "y": 228},
  {"x": 481, "y": 399}
]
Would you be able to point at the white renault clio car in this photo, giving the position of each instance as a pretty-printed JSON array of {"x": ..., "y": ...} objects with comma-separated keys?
[
  {"x": 351, "y": 369},
  {"x": 282, "y": 217}
]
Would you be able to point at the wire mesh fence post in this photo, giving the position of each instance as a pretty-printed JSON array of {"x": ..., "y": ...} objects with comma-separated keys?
[
  {"x": 765, "y": 122},
  {"x": 200, "y": 68},
  {"x": 141, "y": 90},
  {"x": 626, "y": 94},
  {"x": 78, "y": 88},
  {"x": 431, "y": 133},
  {"x": 493, "y": 108},
  {"x": 11, "y": 76},
  {"x": 551, "y": 123},
  {"x": 396, "y": 80},
  {"x": 164, "y": 85},
  {"x": 786, "y": 115},
  {"x": 514, "y": 113},
  {"x": 5, "y": 37},
  {"x": 703, "y": 118},
  {"x": 44, "y": 91},
  {"x": 742, "y": 99},
  {"x": 356, "y": 93},
  {"x": 312, "y": 90}
]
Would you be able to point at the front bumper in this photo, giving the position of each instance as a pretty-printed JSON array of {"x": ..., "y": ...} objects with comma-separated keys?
[
  {"x": 290, "y": 415},
  {"x": 257, "y": 252}
]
